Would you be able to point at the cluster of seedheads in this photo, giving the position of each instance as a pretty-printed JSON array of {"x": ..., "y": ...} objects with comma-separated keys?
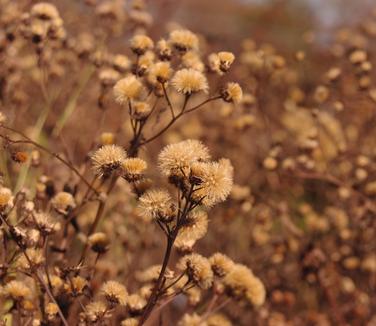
[{"x": 57, "y": 232}]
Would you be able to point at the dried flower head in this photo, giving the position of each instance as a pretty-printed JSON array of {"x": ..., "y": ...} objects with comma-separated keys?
[
  {"x": 107, "y": 138},
  {"x": 44, "y": 223},
  {"x": 51, "y": 310},
  {"x": 221, "y": 264},
  {"x": 369, "y": 263},
  {"x": 358, "y": 56},
  {"x": 32, "y": 258},
  {"x": 3, "y": 117},
  {"x": 128, "y": 88},
  {"x": 99, "y": 242},
  {"x": 232, "y": 92},
  {"x": 141, "y": 110},
  {"x": 321, "y": 94},
  {"x": 183, "y": 40},
  {"x": 218, "y": 320},
  {"x": 194, "y": 295},
  {"x": 17, "y": 290},
  {"x": 138, "y": 4},
  {"x": 213, "y": 63},
  {"x": 130, "y": 322},
  {"x": 192, "y": 320},
  {"x": 108, "y": 77},
  {"x": 28, "y": 305},
  {"x": 136, "y": 304},
  {"x": 192, "y": 59},
  {"x": 75, "y": 286},
  {"x": 156, "y": 204},
  {"x": 44, "y": 11},
  {"x": 198, "y": 269},
  {"x": 44, "y": 16},
  {"x": 194, "y": 229},
  {"x": 20, "y": 156},
  {"x": 333, "y": 74},
  {"x": 56, "y": 282},
  {"x": 6, "y": 198},
  {"x": 270, "y": 163},
  {"x": 177, "y": 158},
  {"x": 108, "y": 159},
  {"x": 114, "y": 293},
  {"x": 225, "y": 60},
  {"x": 161, "y": 71},
  {"x": 133, "y": 168},
  {"x": 140, "y": 17},
  {"x": 243, "y": 285},
  {"x": 63, "y": 202},
  {"x": 19, "y": 234},
  {"x": 33, "y": 237},
  {"x": 164, "y": 50},
  {"x": 144, "y": 63},
  {"x": 141, "y": 43},
  {"x": 121, "y": 62},
  {"x": 214, "y": 181},
  {"x": 189, "y": 81},
  {"x": 38, "y": 30},
  {"x": 146, "y": 290},
  {"x": 95, "y": 311},
  {"x": 151, "y": 274}
]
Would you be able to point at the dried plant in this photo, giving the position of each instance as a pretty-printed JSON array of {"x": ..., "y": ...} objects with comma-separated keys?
[{"x": 116, "y": 207}]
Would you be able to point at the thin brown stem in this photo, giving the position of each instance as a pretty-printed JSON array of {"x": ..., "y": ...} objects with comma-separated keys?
[
  {"x": 174, "y": 282},
  {"x": 177, "y": 117},
  {"x": 168, "y": 100},
  {"x": 57, "y": 156},
  {"x": 202, "y": 104},
  {"x": 36, "y": 272},
  {"x": 216, "y": 309},
  {"x": 98, "y": 216},
  {"x": 210, "y": 306},
  {"x": 156, "y": 290}
]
